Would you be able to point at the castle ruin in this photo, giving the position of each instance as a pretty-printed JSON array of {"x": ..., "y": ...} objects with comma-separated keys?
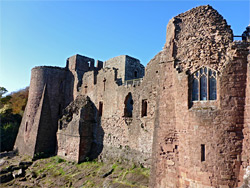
[{"x": 186, "y": 115}]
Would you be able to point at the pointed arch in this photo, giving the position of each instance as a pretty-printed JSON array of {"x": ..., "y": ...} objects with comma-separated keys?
[
  {"x": 128, "y": 105},
  {"x": 204, "y": 84}
]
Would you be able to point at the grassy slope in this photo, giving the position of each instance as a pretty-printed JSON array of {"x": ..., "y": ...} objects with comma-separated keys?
[{"x": 56, "y": 172}]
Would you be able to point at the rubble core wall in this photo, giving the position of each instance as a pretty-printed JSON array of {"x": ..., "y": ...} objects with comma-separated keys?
[{"x": 75, "y": 130}]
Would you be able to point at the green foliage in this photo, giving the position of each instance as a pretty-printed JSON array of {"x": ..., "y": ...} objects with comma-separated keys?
[
  {"x": 11, "y": 111},
  {"x": 2, "y": 91},
  {"x": 58, "y": 159},
  {"x": 8, "y": 129}
]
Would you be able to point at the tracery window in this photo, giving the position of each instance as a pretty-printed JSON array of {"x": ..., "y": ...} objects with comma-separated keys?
[{"x": 204, "y": 85}]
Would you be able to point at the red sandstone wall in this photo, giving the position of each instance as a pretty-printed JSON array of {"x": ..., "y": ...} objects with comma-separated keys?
[
  {"x": 246, "y": 131},
  {"x": 119, "y": 137},
  {"x": 182, "y": 128},
  {"x": 51, "y": 77}
]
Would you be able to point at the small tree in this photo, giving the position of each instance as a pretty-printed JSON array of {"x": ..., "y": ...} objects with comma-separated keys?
[{"x": 2, "y": 91}]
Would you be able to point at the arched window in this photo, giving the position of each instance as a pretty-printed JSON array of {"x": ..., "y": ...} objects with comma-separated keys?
[
  {"x": 204, "y": 85},
  {"x": 128, "y": 109}
]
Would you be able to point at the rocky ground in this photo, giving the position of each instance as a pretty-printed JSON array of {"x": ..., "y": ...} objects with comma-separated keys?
[{"x": 21, "y": 171}]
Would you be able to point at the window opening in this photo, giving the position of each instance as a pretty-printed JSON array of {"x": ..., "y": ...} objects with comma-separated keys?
[
  {"x": 144, "y": 108},
  {"x": 85, "y": 89},
  {"x": 104, "y": 82},
  {"x": 128, "y": 109},
  {"x": 26, "y": 126},
  {"x": 100, "y": 108},
  {"x": 135, "y": 74},
  {"x": 202, "y": 152},
  {"x": 204, "y": 85}
]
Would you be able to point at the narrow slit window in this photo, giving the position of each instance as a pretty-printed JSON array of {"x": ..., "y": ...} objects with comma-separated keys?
[
  {"x": 144, "y": 108},
  {"x": 104, "y": 84},
  {"x": 85, "y": 89},
  {"x": 100, "y": 108},
  {"x": 26, "y": 126},
  {"x": 203, "y": 152}
]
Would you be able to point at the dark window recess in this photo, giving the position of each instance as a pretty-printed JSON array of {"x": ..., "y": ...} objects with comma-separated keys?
[
  {"x": 204, "y": 85},
  {"x": 100, "y": 108},
  {"x": 85, "y": 89},
  {"x": 26, "y": 126},
  {"x": 203, "y": 152},
  {"x": 176, "y": 147},
  {"x": 135, "y": 74},
  {"x": 128, "y": 109},
  {"x": 104, "y": 82},
  {"x": 144, "y": 108}
]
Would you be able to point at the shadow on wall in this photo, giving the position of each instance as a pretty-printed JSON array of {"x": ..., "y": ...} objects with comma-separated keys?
[{"x": 80, "y": 134}]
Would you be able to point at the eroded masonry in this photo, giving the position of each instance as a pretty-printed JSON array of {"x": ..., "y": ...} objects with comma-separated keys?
[{"x": 186, "y": 115}]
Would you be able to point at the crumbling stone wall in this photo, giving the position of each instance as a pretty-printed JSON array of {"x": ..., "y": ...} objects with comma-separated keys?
[
  {"x": 186, "y": 128},
  {"x": 246, "y": 131},
  {"x": 75, "y": 130},
  {"x": 202, "y": 143},
  {"x": 128, "y": 139}
]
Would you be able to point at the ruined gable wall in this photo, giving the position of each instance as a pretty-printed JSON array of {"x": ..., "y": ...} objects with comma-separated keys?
[
  {"x": 216, "y": 124},
  {"x": 202, "y": 37}
]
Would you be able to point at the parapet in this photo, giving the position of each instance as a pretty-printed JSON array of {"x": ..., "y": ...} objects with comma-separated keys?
[
  {"x": 80, "y": 63},
  {"x": 128, "y": 67}
]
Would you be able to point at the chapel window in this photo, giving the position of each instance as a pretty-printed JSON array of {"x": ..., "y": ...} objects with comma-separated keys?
[{"x": 204, "y": 85}]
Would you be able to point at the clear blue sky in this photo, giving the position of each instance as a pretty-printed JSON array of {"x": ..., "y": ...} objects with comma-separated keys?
[{"x": 36, "y": 33}]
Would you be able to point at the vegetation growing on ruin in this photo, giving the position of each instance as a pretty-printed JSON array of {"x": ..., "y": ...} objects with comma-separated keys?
[{"x": 57, "y": 172}]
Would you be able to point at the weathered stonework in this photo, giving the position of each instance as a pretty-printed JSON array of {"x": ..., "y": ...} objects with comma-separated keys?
[
  {"x": 151, "y": 119},
  {"x": 75, "y": 130}
]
